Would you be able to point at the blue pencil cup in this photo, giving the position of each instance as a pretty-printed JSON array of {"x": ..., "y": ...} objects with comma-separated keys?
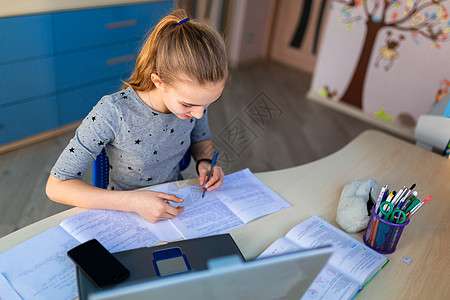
[{"x": 381, "y": 235}]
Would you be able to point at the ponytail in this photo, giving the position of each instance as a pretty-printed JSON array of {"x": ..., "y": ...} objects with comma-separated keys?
[{"x": 179, "y": 47}]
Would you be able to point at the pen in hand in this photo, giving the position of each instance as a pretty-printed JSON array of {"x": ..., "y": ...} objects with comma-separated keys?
[{"x": 213, "y": 163}]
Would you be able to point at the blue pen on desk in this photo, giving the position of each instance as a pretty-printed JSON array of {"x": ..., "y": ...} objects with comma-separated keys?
[{"x": 213, "y": 163}]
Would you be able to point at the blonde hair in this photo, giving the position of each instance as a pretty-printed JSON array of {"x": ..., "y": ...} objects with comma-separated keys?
[{"x": 175, "y": 50}]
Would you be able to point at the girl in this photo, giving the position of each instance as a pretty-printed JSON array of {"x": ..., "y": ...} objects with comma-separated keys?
[{"x": 148, "y": 126}]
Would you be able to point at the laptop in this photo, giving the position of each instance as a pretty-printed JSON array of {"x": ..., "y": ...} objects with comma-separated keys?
[
  {"x": 144, "y": 267},
  {"x": 285, "y": 276}
]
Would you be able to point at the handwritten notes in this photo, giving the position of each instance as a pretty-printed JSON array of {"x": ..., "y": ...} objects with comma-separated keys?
[{"x": 241, "y": 199}]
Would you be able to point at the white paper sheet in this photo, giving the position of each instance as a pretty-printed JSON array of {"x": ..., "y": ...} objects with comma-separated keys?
[
  {"x": 209, "y": 218},
  {"x": 248, "y": 197},
  {"x": 7, "y": 292},
  {"x": 351, "y": 256},
  {"x": 349, "y": 267},
  {"x": 39, "y": 268},
  {"x": 240, "y": 199},
  {"x": 118, "y": 231}
]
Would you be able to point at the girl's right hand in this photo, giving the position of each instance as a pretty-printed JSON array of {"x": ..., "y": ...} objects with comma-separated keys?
[{"x": 155, "y": 206}]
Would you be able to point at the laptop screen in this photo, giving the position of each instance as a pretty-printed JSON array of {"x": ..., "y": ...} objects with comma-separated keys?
[{"x": 285, "y": 276}]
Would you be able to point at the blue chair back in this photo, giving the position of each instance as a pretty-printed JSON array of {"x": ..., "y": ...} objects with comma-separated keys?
[
  {"x": 100, "y": 168},
  {"x": 184, "y": 163}
]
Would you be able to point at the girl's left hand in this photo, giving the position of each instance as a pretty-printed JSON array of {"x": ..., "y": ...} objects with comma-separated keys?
[{"x": 216, "y": 179}]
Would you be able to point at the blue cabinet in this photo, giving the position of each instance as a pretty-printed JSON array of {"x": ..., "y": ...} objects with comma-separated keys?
[
  {"x": 98, "y": 64},
  {"x": 75, "y": 104},
  {"x": 25, "y": 80},
  {"x": 99, "y": 27},
  {"x": 28, "y": 118},
  {"x": 24, "y": 38},
  {"x": 28, "y": 105},
  {"x": 55, "y": 67}
]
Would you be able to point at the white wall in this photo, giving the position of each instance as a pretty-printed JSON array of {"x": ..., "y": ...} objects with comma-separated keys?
[{"x": 250, "y": 26}]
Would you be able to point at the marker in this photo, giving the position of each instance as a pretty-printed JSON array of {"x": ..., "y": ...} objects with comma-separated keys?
[
  {"x": 415, "y": 209},
  {"x": 408, "y": 192},
  {"x": 388, "y": 199},
  {"x": 380, "y": 197},
  {"x": 414, "y": 203},
  {"x": 213, "y": 163},
  {"x": 398, "y": 196},
  {"x": 391, "y": 195},
  {"x": 403, "y": 198},
  {"x": 405, "y": 204}
]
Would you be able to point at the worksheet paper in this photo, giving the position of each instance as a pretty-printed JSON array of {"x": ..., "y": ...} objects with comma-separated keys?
[
  {"x": 241, "y": 199},
  {"x": 351, "y": 265},
  {"x": 6, "y": 290},
  {"x": 40, "y": 268}
]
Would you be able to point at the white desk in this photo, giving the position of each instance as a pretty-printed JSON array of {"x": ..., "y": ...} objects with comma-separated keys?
[{"x": 315, "y": 189}]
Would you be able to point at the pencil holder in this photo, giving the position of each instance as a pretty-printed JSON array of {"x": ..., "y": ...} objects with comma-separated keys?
[{"x": 381, "y": 235}]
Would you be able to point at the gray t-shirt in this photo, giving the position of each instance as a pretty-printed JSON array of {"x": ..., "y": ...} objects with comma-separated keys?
[{"x": 144, "y": 147}]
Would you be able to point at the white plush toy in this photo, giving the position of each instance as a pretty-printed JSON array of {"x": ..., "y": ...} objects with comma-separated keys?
[{"x": 352, "y": 209}]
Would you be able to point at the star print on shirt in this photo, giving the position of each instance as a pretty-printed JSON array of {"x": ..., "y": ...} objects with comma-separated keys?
[
  {"x": 171, "y": 130},
  {"x": 137, "y": 141},
  {"x": 93, "y": 118},
  {"x": 149, "y": 179},
  {"x": 79, "y": 173},
  {"x": 72, "y": 149},
  {"x": 155, "y": 114},
  {"x": 100, "y": 143},
  {"x": 130, "y": 168},
  {"x": 155, "y": 152}
]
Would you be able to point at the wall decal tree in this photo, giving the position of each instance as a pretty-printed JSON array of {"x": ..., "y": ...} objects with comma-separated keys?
[{"x": 425, "y": 18}]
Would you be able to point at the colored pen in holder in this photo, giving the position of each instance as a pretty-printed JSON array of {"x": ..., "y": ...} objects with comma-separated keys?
[{"x": 382, "y": 235}]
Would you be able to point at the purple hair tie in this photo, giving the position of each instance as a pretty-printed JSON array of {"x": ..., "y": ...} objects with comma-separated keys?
[{"x": 182, "y": 21}]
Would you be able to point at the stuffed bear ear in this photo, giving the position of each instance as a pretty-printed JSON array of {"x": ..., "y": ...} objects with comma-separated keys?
[{"x": 352, "y": 213}]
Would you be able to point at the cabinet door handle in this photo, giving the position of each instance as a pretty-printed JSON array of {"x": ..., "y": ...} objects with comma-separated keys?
[
  {"x": 121, "y": 24},
  {"x": 120, "y": 60}
]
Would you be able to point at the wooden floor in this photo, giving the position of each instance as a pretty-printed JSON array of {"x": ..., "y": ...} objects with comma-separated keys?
[{"x": 263, "y": 121}]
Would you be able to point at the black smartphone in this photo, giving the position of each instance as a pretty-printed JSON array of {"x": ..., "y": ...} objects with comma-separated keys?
[{"x": 98, "y": 264}]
